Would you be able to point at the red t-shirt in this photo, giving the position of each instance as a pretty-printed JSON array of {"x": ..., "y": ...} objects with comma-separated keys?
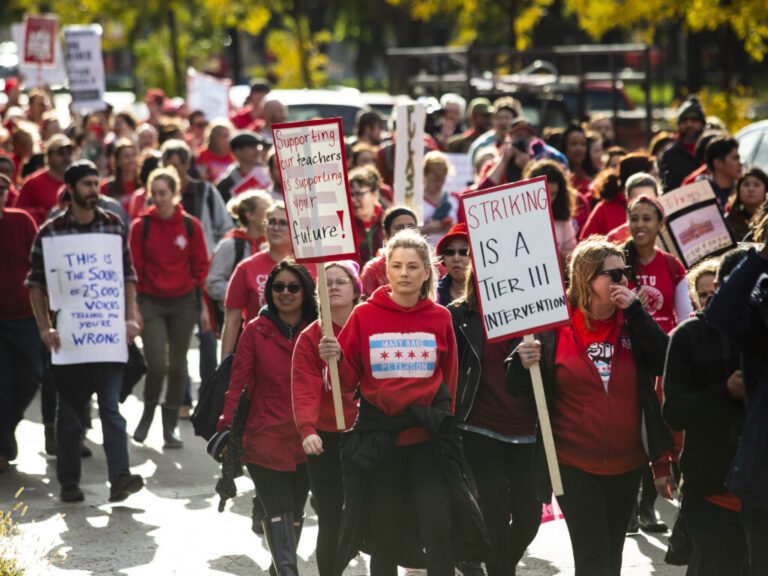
[
  {"x": 660, "y": 288},
  {"x": 213, "y": 164},
  {"x": 17, "y": 233},
  {"x": 39, "y": 193}
]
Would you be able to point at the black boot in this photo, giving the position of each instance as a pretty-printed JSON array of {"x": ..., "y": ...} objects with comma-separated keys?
[
  {"x": 140, "y": 434},
  {"x": 257, "y": 516},
  {"x": 280, "y": 534},
  {"x": 170, "y": 418},
  {"x": 648, "y": 518}
]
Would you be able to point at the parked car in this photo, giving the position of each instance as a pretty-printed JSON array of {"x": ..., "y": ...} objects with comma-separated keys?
[{"x": 753, "y": 145}]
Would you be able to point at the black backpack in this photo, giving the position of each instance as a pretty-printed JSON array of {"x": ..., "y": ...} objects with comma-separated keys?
[{"x": 210, "y": 403}]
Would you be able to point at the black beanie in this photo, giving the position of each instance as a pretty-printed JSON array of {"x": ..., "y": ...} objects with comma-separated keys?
[
  {"x": 691, "y": 108},
  {"x": 79, "y": 170},
  {"x": 389, "y": 219}
]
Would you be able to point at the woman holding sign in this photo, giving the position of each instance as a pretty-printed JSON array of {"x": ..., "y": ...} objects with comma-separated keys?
[
  {"x": 399, "y": 345},
  {"x": 599, "y": 376},
  {"x": 271, "y": 445},
  {"x": 314, "y": 413}
]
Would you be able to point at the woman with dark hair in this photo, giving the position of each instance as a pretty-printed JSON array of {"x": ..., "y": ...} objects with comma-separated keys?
[
  {"x": 746, "y": 202},
  {"x": 124, "y": 180},
  {"x": 574, "y": 146},
  {"x": 594, "y": 161},
  {"x": 313, "y": 411},
  {"x": 374, "y": 272},
  {"x": 499, "y": 434},
  {"x": 272, "y": 449},
  {"x": 140, "y": 199}
]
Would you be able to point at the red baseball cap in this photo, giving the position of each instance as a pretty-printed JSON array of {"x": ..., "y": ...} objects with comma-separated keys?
[{"x": 457, "y": 231}]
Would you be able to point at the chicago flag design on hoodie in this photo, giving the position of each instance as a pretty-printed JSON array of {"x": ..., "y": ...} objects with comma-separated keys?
[{"x": 402, "y": 355}]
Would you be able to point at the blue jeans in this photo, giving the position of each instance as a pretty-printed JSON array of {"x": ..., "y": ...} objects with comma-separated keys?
[
  {"x": 107, "y": 380},
  {"x": 21, "y": 371}
]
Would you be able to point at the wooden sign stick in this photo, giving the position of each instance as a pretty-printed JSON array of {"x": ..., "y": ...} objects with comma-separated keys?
[
  {"x": 546, "y": 428},
  {"x": 326, "y": 323}
]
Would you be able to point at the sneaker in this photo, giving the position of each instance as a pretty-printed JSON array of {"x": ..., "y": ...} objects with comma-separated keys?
[
  {"x": 71, "y": 493},
  {"x": 124, "y": 485}
]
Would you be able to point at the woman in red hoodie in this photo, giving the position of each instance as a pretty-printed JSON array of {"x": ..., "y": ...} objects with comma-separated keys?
[
  {"x": 171, "y": 261},
  {"x": 400, "y": 346},
  {"x": 599, "y": 374},
  {"x": 271, "y": 444},
  {"x": 314, "y": 413}
]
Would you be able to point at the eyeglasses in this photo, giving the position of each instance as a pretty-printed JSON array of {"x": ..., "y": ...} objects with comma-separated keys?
[
  {"x": 615, "y": 273},
  {"x": 340, "y": 282},
  {"x": 292, "y": 287},
  {"x": 463, "y": 252},
  {"x": 277, "y": 222},
  {"x": 358, "y": 195}
]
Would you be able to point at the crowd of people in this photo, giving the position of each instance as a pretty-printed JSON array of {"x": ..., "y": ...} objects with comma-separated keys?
[{"x": 659, "y": 382}]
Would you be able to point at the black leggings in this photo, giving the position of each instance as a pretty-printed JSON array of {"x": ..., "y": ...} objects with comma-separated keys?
[
  {"x": 504, "y": 476},
  {"x": 325, "y": 477},
  {"x": 410, "y": 470},
  {"x": 597, "y": 510},
  {"x": 281, "y": 492}
]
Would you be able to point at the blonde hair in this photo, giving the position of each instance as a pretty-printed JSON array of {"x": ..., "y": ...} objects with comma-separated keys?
[
  {"x": 215, "y": 126},
  {"x": 246, "y": 203},
  {"x": 277, "y": 205},
  {"x": 413, "y": 239},
  {"x": 709, "y": 266},
  {"x": 586, "y": 261},
  {"x": 437, "y": 163},
  {"x": 167, "y": 174}
]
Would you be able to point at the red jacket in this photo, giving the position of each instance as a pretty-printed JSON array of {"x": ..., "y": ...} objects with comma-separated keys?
[
  {"x": 263, "y": 362},
  {"x": 311, "y": 387},
  {"x": 596, "y": 430},
  {"x": 399, "y": 355},
  {"x": 17, "y": 235},
  {"x": 607, "y": 215},
  {"x": 168, "y": 262},
  {"x": 374, "y": 274}
]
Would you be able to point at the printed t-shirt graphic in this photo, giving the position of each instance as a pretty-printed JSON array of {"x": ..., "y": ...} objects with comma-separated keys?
[{"x": 402, "y": 355}]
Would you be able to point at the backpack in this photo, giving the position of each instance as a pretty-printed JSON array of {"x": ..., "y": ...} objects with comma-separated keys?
[
  {"x": 188, "y": 226},
  {"x": 210, "y": 403}
]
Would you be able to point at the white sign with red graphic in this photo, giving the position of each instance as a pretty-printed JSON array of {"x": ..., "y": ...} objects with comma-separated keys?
[
  {"x": 312, "y": 166},
  {"x": 39, "y": 40}
]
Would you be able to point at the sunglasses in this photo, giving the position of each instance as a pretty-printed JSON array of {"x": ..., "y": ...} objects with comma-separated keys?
[
  {"x": 292, "y": 287},
  {"x": 463, "y": 252},
  {"x": 615, "y": 273},
  {"x": 275, "y": 222}
]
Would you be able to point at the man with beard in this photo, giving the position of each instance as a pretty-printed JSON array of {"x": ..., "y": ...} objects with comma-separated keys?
[
  {"x": 680, "y": 159},
  {"x": 77, "y": 382}
]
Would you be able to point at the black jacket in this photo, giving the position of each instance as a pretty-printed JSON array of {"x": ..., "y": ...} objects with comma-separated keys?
[
  {"x": 699, "y": 362},
  {"x": 369, "y": 443},
  {"x": 675, "y": 164}
]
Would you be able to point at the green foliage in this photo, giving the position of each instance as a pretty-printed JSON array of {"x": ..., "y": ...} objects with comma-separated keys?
[{"x": 731, "y": 106}]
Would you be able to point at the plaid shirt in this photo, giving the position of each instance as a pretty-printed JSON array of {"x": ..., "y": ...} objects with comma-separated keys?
[{"x": 103, "y": 223}]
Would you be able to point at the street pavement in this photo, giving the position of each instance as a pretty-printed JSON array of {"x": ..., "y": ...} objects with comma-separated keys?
[{"x": 173, "y": 526}]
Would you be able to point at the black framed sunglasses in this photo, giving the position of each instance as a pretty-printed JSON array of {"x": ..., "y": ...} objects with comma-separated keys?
[
  {"x": 292, "y": 287},
  {"x": 615, "y": 273},
  {"x": 463, "y": 252}
]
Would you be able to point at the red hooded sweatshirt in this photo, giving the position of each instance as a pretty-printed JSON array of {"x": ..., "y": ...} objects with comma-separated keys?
[
  {"x": 168, "y": 262},
  {"x": 399, "y": 355},
  {"x": 607, "y": 215},
  {"x": 311, "y": 387}
]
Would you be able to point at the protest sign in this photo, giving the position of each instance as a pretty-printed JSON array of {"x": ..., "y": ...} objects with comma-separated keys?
[
  {"x": 208, "y": 94},
  {"x": 695, "y": 228},
  {"x": 84, "y": 274},
  {"x": 35, "y": 41},
  {"x": 460, "y": 174},
  {"x": 85, "y": 67},
  {"x": 518, "y": 277},
  {"x": 313, "y": 169},
  {"x": 409, "y": 153}
]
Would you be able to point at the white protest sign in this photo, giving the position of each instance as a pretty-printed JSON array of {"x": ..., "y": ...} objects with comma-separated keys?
[
  {"x": 312, "y": 166},
  {"x": 460, "y": 176},
  {"x": 515, "y": 258},
  {"x": 208, "y": 94},
  {"x": 84, "y": 273},
  {"x": 35, "y": 66},
  {"x": 85, "y": 67},
  {"x": 409, "y": 153}
]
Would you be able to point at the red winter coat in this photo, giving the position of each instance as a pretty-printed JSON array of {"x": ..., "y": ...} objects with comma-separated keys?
[
  {"x": 311, "y": 387},
  {"x": 263, "y": 362}
]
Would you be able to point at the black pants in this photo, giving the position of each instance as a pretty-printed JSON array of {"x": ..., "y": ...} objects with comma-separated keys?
[
  {"x": 597, "y": 510},
  {"x": 410, "y": 470},
  {"x": 718, "y": 540},
  {"x": 325, "y": 478},
  {"x": 281, "y": 492},
  {"x": 755, "y": 523},
  {"x": 504, "y": 476}
]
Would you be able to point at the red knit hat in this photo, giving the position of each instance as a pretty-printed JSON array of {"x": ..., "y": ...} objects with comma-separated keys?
[{"x": 456, "y": 231}]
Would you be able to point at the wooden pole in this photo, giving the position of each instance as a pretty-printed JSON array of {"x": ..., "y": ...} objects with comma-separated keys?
[
  {"x": 546, "y": 428},
  {"x": 327, "y": 324}
]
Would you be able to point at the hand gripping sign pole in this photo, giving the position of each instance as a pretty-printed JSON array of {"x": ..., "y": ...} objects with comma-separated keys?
[
  {"x": 518, "y": 277},
  {"x": 312, "y": 165}
]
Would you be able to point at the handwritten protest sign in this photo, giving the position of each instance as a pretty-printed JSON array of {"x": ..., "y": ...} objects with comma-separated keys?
[
  {"x": 85, "y": 67},
  {"x": 409, "y": 154},
  {"x": 84, "y": 273},
  {"x": 518, "y": 277},
  {"x": 313, "y": 170},
  {"x": 208, "y": 94},
  {"x": 460, "y": 175},
  {"x": 312, "y": 166},
  {"x": 695, "y": 228}
]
